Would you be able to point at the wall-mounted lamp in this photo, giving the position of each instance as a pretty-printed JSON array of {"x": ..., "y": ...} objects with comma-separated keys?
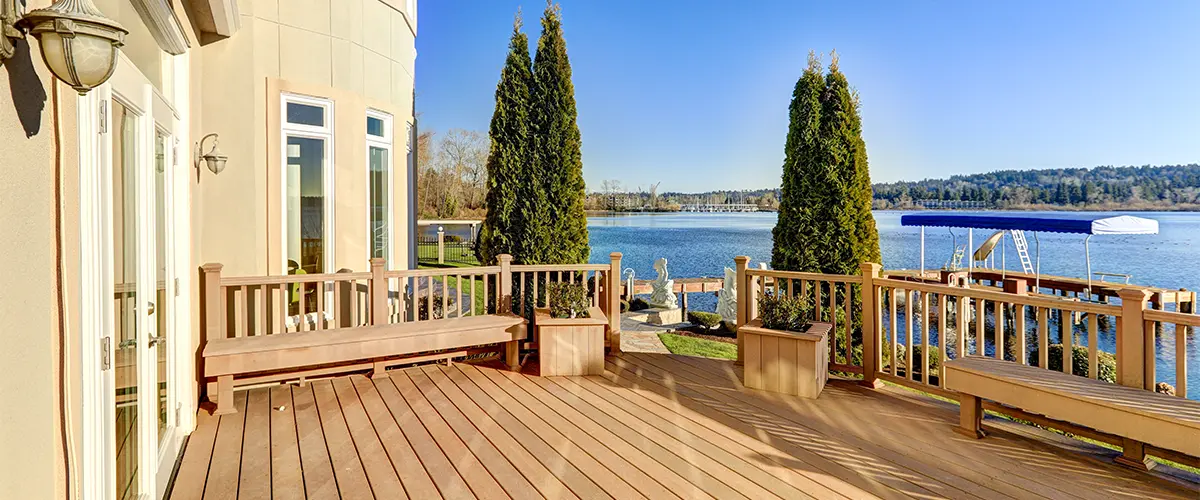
[
  {"x": 214, "y": 158},
  {"x": 78, "y": 43}
]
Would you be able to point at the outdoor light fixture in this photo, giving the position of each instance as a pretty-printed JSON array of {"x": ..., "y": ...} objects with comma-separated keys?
[
  {"x": 214, "y": 158},
  {"x": 78, "y": 43}
]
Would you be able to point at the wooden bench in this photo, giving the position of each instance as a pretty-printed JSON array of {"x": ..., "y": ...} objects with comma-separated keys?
[
  {"x": 1137, "y": 416},
  {"x": 227, "y": 357}
]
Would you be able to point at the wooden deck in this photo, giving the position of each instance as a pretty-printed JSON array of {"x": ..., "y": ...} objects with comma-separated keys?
[{"x": 653, "y": 426}]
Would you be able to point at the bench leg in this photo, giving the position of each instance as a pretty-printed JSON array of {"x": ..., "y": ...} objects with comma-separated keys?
[
  {"x": 970, "y": 416},
  {"x": 225, "y": 395},
  {"x": 512, "y": 354},
  {"x": 378, "y": 371},
  {"x": 1134, "y": 455}
]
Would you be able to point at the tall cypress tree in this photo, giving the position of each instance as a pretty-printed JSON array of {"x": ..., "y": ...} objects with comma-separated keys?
[
  {"x": 509, "y": 160},
  {"x": 800, "y": 224},
  {"x": 557, "y": 154},
  {"x": 842, "y": 134}
]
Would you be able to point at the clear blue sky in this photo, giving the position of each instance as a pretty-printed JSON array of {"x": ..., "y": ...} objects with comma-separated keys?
[{"x": 695, "y": 93}]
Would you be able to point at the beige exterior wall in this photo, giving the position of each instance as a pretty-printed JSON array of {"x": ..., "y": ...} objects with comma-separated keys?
[
  {"x": 37, "y": 129},
  {"x": 358, "y": 53}
]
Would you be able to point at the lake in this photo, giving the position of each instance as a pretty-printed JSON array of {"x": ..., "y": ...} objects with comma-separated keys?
[{"x": 703, "y": 244}]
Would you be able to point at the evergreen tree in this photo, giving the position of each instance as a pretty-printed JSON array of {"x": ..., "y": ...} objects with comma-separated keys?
[
  {"x": 510, "y": 159},
  {"x": 799, "y": 223},
  {"x": 843, "y": 136},
  {"x": 556, "y": 146}
]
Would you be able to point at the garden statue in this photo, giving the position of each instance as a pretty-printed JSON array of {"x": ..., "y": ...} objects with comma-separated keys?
[
  {"x": 727, "y": 297},
  {"x": 662, "y": 294}
]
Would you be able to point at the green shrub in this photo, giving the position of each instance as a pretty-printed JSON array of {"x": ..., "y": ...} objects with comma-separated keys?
[
  {"x": 624, "y": 305},
  {"x": 568, "y": 300},
  {"x": 705, "y": 319},
  {"x": 780, "y": 312},
  {"x": 638, "y": 304},
  {"x": 423, "y": 307},
  {"x": 1107, "y": 363},
  {"x": 901, "y": 357}
]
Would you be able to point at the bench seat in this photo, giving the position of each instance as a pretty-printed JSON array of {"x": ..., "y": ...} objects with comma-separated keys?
[
  {"x": 224, "y": 358},
  {"x": 1139, "y": 416}
]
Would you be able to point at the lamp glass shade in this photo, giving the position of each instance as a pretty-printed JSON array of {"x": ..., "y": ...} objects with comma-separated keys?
[
  {"x": 215, "y": 163},
  {"x": 83, "y": 61}
]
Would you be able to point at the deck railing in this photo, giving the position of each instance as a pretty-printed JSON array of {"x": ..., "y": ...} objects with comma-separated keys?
[
  {"x": 247, "y": 306},
  {"x": 904, "y": 331}
]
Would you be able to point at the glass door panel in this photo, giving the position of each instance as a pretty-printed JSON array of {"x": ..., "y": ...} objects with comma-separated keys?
[
  {"x": 161, "y": 336},
  {"x": 125, "y": 271},
  {"x": 306, "y": 217}
]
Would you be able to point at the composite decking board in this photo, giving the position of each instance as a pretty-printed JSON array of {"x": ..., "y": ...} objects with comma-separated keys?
[
  {"x": 441, "y": 471},
  {"x": 319, "y": 479},
  {"x": 564, "y": 440},
  {"x": 534, "y": 471},
  {"x": 748, "y": 470},
  {"x": 287, "y": 476},
  {"x": 667, "y": 460},
  {"x": 825, "y": 455},
  {"x": 501, "y": 468},
  {"x": 647, "y": 395},
  {"x": 936, "y": 462},
  {"x": 674, "y": 472},
  {"x": 667, "y": 417},
  {"x": 197, "y": 455},
  {"x": 481, "y": 481},
  {"x": 382, "y": 476},
  {"x": 552, "y": 449},
  {"x": 255, "y": 479},
  {"x": 946, "y": 470},
  {"x": 413, "y": 475},
  {"x": 227, "y": 453},
  {"x": 1005, "y": 459},
  {"x": 347, "y": 467},
  {"x": 634, "y": 482}
]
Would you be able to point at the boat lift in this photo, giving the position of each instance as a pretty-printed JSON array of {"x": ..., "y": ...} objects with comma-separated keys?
[{"x": 1016, "y": 225}]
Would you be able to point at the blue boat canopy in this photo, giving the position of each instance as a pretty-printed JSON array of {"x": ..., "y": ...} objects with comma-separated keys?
[{"x": 1053, "y": 223}]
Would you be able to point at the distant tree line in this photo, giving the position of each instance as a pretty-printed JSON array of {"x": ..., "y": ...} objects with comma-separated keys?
[{"x": 1105, "y": 187}]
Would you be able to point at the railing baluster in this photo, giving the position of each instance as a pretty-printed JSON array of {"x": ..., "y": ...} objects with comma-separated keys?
[
  {"x": 537, "y": 301},
  {"x": 850, "y": 326},
  {"x": 943, "y": 327},
  {"x": 1093, "y": 346},
  {"x": 1068, "y": 341},
  {"x": 893, "y": 324},
  {"x": 486, "y": 290},
  {"x": 908, "y": 335},
  {"x": 924, "y": 304},
  {"x": 833, "y": 323},
  {"x": 428, "y": 298},
  {"x": 445, "y": 296},
  {"x": 998, "y": 330},
  {"x": 963, "y": 304},
  {"x": 1043, "y": 320},
  {"x": 472, "y": 293},
  {"x": 300, "y": 322},
  {"x": 523, "y": 294},
  {"x": 980, "y": 324},
  {"x": 817, "y": 298},
  {"x": 262, "y": 310},
  {"x": 1181, "y": 376},
  {"x": 281, "y": 292},
  {"x": 1019, "y": 326}
]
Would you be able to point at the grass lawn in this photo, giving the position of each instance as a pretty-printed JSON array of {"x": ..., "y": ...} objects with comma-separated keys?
[
  {"x": 691, "y": 346},
  {"x": 480, "y": 304}
]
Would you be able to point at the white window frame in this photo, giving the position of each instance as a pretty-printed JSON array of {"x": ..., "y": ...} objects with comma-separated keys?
[
  {"x": 324, "y": 133},
  {"x": 384, "y": 142}
]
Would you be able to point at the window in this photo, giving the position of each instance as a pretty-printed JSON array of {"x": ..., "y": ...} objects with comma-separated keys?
[
  {"x": 307, "y": 184},
  {"x": 379, "y": 180}
]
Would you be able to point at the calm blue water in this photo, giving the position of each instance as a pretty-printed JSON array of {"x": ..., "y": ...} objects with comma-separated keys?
[{"x": 698, "y": 245}]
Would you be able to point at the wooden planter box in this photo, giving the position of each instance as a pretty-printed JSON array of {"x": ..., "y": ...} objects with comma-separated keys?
[
  {"x": 570, "y": 346},
  {"x": 787, "y": 362}
]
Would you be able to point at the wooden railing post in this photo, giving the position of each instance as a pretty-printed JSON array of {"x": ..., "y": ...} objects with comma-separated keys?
[
  {"x": 872, "y": 316},
  {"x": 743, "y": 313},
  {"x": 505, "y": 261},
  {"x": 214, "y": 306},
  {"x": 379, "y": 290},
  {"x": 613, "y": 296},
  {"x": 1131, "y": 341}
]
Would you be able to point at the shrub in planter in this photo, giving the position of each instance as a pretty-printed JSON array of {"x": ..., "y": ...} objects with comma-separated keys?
[
  {"x": 780, "y": 312},
  {"x": 638, "y": 304},
  {"x": 705, "y": 319},
  {"x": 568, "y": 300}
]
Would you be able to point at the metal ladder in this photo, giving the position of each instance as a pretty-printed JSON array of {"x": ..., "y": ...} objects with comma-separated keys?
[
  {"x": 956, "y": 261},
  {"x": 1022, "y": 250}
]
